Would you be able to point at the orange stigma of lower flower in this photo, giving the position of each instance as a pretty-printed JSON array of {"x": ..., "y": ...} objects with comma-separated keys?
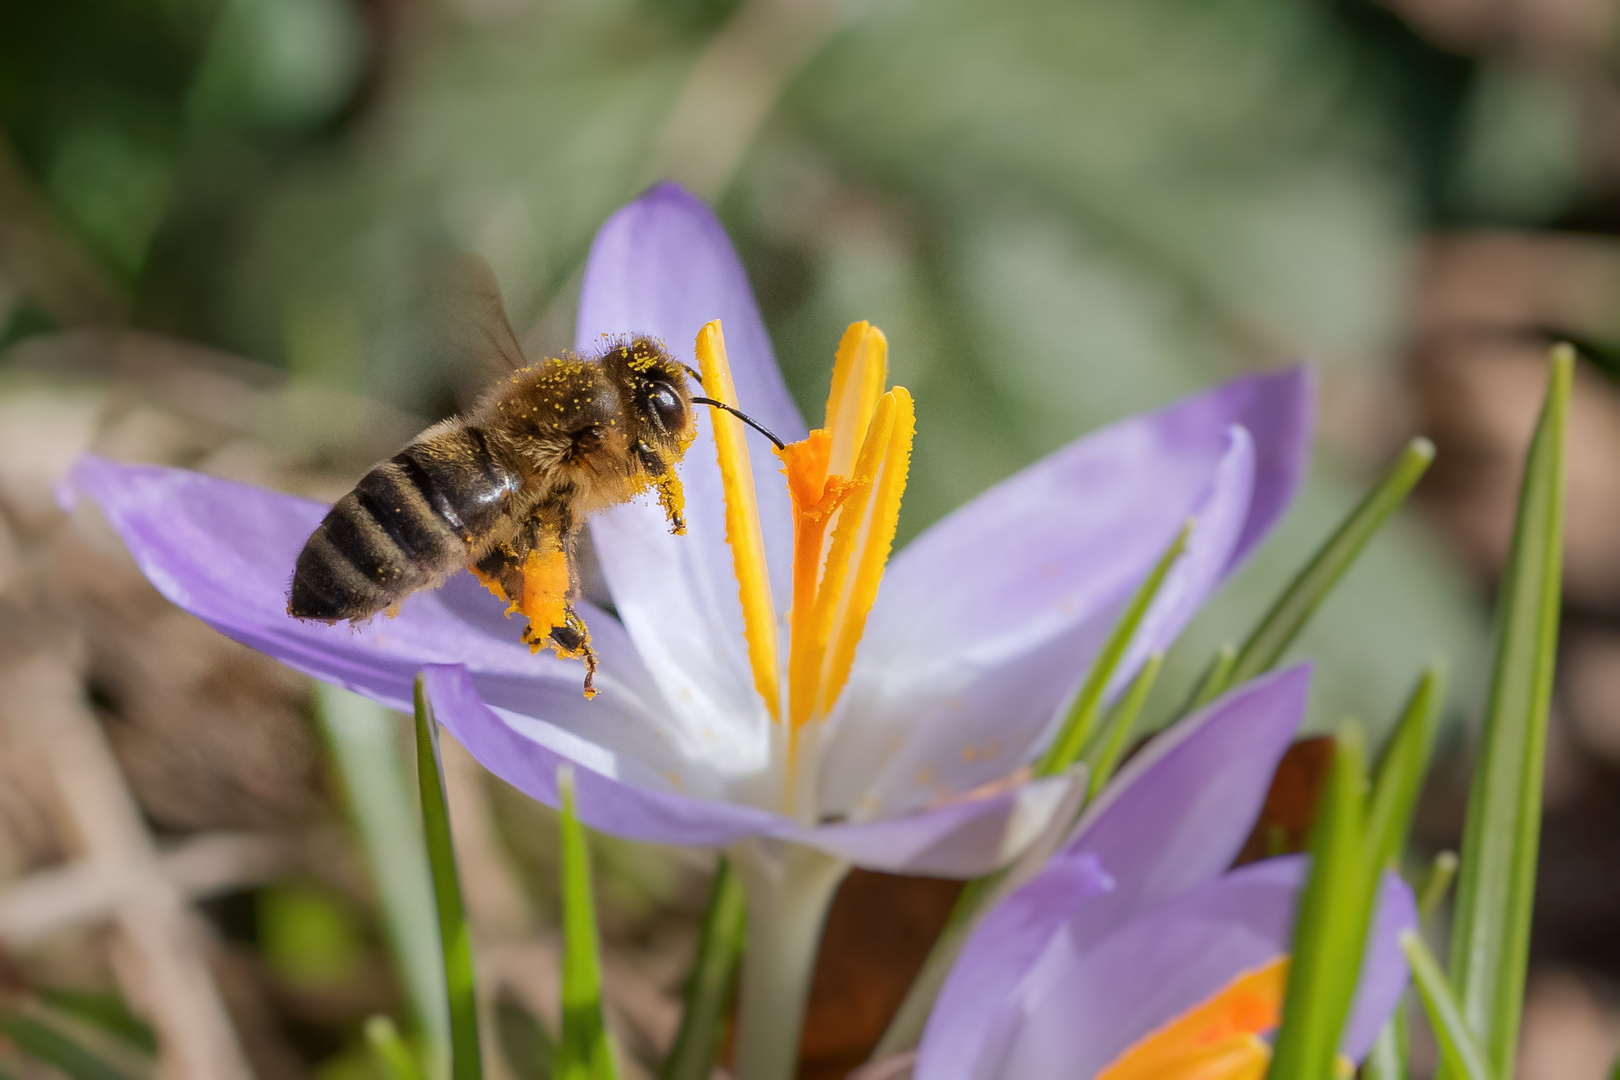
[
  {"x": 845, "y": 480},
  {"x": 1217, "y": 1039}
]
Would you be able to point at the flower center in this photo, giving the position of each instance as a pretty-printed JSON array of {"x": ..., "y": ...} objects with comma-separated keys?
[
  {"x": 845, "y": 480},
  {"x": 1217, "y": 1039}
]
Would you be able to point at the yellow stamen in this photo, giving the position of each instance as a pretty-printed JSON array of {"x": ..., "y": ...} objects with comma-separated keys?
[
  {"x": 742, "y": 518},
  {"x": 1218, "y": 1039},
  {"x": 876, "y": 540},
  {"x": 859, "y": 371}
]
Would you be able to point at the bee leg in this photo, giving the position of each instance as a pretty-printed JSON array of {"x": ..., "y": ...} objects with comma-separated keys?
[
  {"x": 572, "y": 641},
  {"x": 670, "y": 494}
]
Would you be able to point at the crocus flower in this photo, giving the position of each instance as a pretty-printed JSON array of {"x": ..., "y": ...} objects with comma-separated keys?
[
  {"x": 869, "y": 726},
  {"x": 1134, "y": 954}
]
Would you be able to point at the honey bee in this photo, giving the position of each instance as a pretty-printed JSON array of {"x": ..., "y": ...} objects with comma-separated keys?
[{"x": 504, "y": 490}]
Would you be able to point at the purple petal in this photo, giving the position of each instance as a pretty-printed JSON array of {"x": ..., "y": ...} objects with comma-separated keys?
[
  {"x": 1020, "y": 587},
  {"x": 664, "y": 266},
  {"x": 1384, "y": 971},
  {"x": 942, "y": 730},
  {"x": 617, "y": 794},
  {"x": 1179, "y": 811},
  {"x": 1078, "y": 1008},
  {"x": 1279, "y": 410},
  {"x": 225, "y": 551},
  {"x": 962, "y": 839},
  {"x": 1003, "y": 947}
]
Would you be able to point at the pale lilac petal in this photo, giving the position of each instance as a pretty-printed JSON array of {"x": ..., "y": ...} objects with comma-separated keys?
[
  {"x": 1078, "y": 1008},
  {"x": 1179, "y": 811},
  {"x": 1384, "y": 971},
  {"x": 617, "y": 794},
  {"x": 1020, "y": 587},
  {"x": 664, "y": 266},
  {"x": 1003, "y": 947},
  {"x": 225, "y": 552},
  {"x": 963, "y": 839},
  {"x": 1279, "y": 410}
]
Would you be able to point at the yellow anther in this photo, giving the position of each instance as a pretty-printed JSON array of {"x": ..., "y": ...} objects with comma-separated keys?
[{"x": 742, "y": 519}]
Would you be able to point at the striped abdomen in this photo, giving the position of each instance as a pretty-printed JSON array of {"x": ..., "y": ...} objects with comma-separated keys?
[{"x": 421, "y": 514}]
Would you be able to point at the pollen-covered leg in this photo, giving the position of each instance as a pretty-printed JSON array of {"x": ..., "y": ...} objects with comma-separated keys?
[{"x": 537, "y": 578}]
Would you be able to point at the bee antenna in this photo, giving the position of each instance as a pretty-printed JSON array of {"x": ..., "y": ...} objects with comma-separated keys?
[
  {"x": 692, "y": 371},
  {"x": 744, "y": 417}
]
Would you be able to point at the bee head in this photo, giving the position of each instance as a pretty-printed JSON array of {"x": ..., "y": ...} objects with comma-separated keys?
[{"x": 655, "y": 392}]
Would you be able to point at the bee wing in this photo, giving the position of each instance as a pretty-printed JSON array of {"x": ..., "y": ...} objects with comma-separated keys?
[{"x": 473, "y": 319}]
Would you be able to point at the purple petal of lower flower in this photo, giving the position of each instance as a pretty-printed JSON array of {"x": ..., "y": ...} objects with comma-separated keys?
[
  {"x": 1079, "y": 1007},
  {"x": 1003, "y": 947},
  {"x": 1178, "y": 812},
  {"x": 663, "y": 266}
]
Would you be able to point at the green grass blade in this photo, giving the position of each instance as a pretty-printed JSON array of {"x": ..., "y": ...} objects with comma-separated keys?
[
  {"x": 105, "y": 1011},
  {"x": 714, "y": 974},
  {"x": 1401, "y": 772},
  {"x": 1387, "y": 1061},
  {"x": 1460, "y": 1053},
  {"x": 525, "y": 1043},
  {"x": 1436, "y": 883},
  {"x": 1216, "y": 678},
  {"x": 44, "y": 1043},
  {"x": 389, "y": 1051},
  {"x": 1331, "y": 931},
  {"x": 455, "y": 938},
  {"x": 1293, "y": 609},
  {"x": 371, "y": 771},
  {"x": 1491, "y": 933},
  {"x": 1109, "y": 748},
  {"x": 584, "y": 1052},
  {"x": 1082, "y": 715}
]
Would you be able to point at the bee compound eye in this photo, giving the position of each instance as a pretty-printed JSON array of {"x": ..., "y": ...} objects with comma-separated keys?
[{"x": 667, "y": 410}]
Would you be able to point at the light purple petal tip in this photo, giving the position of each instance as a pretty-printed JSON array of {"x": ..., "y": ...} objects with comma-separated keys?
[
  {"x": 1279, "y": 410},
  {"x": 663, "y": 266}
]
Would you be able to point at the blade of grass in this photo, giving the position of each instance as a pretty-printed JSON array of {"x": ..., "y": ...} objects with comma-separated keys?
[
  {"x": 525, "y": 1043},
  {"x": 105, "y": 1011},
  {"x": 1334, "y": 913},
  {"x": 371, "y": 772},
  {"x": 1104, "y": 755},
  {"x": 1387, "y": 1061},
  {"x": 1460, "y": 1053},
  {"x": 584, "y": 1052},
  {"x": 1082, "y": 714},
  {"x": 709, "y": 987},
  {"x": 44, "y": 1043},
  {"x": 1436, "y": 883},
  {"x": 1491, "y": 933},
  {"x": 1293, "y": 609},
  {"x": 1401, "y": 771},
  {"x": 1216, "y": 678},
  {"x": 389, "y": 1051},
  {"x": 455, "y": 938}
]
